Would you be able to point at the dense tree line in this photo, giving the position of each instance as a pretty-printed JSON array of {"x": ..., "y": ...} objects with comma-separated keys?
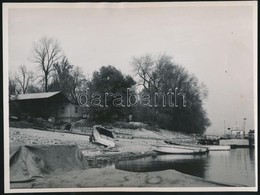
[
  {"x": 161, "y": 75},
  {"x": 111, "y": 85},
  {"x": 170, "y": 97}
]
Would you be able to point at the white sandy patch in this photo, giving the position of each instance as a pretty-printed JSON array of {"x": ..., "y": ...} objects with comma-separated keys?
[
  {"x": 109, "y": 177},
  {"x": 33, "y": 136},
  {"x": 141, "y": 143}
]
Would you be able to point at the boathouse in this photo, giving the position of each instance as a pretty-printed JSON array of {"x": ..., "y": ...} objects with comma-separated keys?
[{"x": 49, "y": 105}]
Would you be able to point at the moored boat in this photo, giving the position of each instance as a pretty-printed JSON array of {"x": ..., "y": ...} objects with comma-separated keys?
[
  {"x": 102, "y": 136},
  {"x": 234, "y": 143},
  {"x": 179, "y": 149},
  {"x": 209, "y": 147},
  {"x": 251, "y": 138},
  {"x": 217, "y": 147},
  {"x": 235, "y": 139},
  {"x": 209, "y": 140}
]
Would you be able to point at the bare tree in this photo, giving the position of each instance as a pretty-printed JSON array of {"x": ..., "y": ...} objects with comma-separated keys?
[
  {"x": 23, "y": 78},
  {"x": 77, "y": 80},
  {"x": 62, "y": 75},
  {"x": 159, "y": 75},
  {"x": 143, "y": 67},
  {"x": 46, "y": 52},
  {"x": 12, "y": 85},
  {"x": 67, "y": 78},
  {"x": 147, "y": 67}
]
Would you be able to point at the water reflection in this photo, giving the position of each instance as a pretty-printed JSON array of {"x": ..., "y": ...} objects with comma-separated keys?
[
  {"x": 235, "y": 166},
  {"x": 188, "y": 164},
  {"x": 252, "y": 154}
]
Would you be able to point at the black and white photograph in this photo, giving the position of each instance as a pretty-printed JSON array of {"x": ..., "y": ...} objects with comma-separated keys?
[{"x": 151, "y": 96}]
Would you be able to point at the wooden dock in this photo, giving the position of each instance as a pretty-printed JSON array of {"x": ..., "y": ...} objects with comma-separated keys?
[{"x": 217, "y": 147}]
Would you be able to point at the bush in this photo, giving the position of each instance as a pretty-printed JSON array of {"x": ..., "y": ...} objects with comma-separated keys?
[{"x": 125, "y": 125}]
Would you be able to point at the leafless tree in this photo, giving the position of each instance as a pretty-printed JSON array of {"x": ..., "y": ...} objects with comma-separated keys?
[
  {"x": 23, "y": 78},
  {"x": 77, "y": 80},
  {"x": 158, "y": 75},
  {"x": 46, "y": 52},
  {"x": 147, "y": 68},
  {"x": 143, "y": 67},
  {"x": 12, "y": 85}
]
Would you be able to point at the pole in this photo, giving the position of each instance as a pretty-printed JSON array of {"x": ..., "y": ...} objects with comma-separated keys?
[
  {"x": 224, "y": 127},
  {"x": 244, "y": 126}
]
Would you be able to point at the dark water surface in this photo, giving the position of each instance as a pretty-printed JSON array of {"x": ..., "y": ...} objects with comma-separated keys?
[{"x": 236, "y": 166}]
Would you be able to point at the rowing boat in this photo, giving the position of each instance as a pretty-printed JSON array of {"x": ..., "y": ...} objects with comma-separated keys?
[{"x": 179, "y": 149}]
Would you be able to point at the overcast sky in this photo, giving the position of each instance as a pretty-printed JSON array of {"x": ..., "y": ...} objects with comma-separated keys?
[{"x": 215, "y": 43}]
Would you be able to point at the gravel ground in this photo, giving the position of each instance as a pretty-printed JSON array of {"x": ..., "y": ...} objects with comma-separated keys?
[
  {"x": 108, "y": 177},
  {"x": 125, "y": 149},
  {"x": 137, "y": 147}
]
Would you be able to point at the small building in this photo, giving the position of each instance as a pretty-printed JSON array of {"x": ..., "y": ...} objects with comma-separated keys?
[{"x": 49, "y": 104}]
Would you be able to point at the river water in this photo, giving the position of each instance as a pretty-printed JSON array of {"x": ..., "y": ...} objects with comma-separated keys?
[{"x": 236, "y": 166}]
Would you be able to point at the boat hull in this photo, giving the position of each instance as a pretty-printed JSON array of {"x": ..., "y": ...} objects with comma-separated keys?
[
  {"x": 102, "y": 139},
  {"x": 211, "y": 147},
  {"x": 172, "y": 149},
  {"x": 234, "y": 142},
  {"x": 217, "y": 147}
]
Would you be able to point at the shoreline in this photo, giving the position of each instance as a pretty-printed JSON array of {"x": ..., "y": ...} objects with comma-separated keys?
[
  {"x": 97, "y": 156},
  {"x": 109, "y": 177},
  {"x": 101, "y": 160}
]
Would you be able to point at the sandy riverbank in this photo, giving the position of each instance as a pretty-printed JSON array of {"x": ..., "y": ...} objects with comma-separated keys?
[
  {"x": 106, "y": 177},
  {"x": 109, "y": 177},
  {"x": 139, "y": 146}
]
